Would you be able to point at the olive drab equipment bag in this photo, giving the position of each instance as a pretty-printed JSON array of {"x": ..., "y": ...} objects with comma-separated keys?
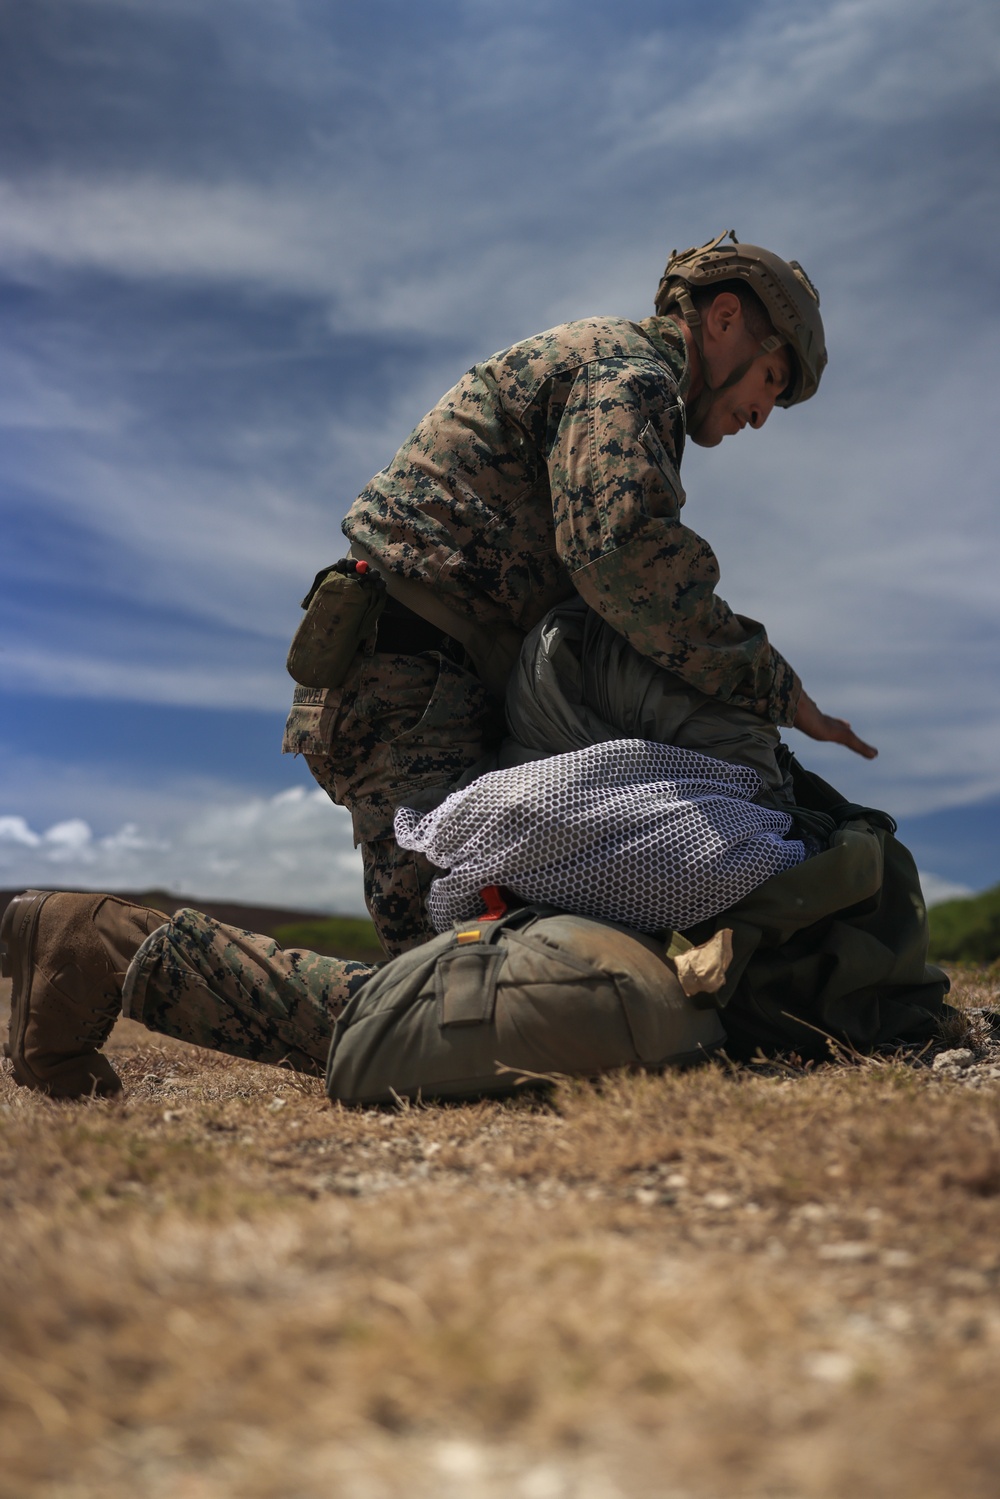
[
  {"x": 531, "y": 993},
  {"x": 833, "y": 950},
  {"x": 342, "y": 609}
]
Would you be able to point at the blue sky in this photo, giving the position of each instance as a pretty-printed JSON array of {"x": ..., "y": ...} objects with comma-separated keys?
[{"x": 244, "y": 246}]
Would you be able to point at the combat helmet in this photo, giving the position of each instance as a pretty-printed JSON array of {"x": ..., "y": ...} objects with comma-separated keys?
[{"x": 782, "y": 287}]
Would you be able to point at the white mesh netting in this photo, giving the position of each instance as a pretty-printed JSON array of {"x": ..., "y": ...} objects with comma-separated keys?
[{"x": 645, "y": 834}]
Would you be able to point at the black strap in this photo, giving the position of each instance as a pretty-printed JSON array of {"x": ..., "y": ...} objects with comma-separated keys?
[
  {"x": 347, "y": 567},
  {"x": 848, "y": 811}
]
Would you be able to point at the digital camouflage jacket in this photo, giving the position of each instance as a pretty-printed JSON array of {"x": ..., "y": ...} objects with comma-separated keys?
[{"x": 552, "y": 468}]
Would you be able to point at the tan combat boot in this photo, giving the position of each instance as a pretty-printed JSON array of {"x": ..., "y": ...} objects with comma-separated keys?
[{"x": 67, "y": 956}]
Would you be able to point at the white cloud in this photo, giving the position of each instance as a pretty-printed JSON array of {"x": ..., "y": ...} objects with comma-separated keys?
[
  {"x": 15, "y": 830},
  {"x": 294, "y": 849},
  {"x": 154, "y": 227},
  {"x": 190, "y": 683},
  {"x": 882, "y": 62},
  {"x": 937, "y": 890},
  {"x": 33, "y": 399},
  {"x": 68, "y": 842},
  {"x": 292, "y": 240}
]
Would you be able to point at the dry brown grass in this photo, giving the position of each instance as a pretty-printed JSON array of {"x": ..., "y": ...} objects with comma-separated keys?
[{"x": 717, "y": 1283}]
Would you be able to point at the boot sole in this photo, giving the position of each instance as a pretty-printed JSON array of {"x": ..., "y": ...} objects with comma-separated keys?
[{"x": 17, "y": 932}]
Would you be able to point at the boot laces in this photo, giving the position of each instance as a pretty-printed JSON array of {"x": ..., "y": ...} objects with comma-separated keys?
[{"x": 100, "y": 1021}]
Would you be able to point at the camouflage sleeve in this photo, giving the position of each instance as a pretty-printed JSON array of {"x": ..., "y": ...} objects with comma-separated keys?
[{"x": 617, "y": 498}]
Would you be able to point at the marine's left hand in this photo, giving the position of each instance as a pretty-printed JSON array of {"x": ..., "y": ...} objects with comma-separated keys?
[{"x": 819, "y": 725}]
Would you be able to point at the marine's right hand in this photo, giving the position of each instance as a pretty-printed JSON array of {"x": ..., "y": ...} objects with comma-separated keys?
[{"x": 818, "y": 725}]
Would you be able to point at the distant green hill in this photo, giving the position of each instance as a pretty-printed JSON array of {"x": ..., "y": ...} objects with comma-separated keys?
[
  {"x": 339, "y": 936},
  {"x": 966, "y": 930}
]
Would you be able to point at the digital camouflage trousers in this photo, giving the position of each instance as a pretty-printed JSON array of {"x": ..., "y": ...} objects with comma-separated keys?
[
  {"x": 238, "y": 992},
  {"x": 399, "y": 732}
]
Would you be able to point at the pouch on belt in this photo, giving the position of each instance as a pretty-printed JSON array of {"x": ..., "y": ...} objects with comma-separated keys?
[{"x": 342, "y": 609}]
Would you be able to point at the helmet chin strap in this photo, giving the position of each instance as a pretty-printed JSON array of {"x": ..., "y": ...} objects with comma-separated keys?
[{"x": 709, "y": 393}]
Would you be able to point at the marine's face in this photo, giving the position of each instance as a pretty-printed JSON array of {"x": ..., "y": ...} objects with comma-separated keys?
[{"x": 749, "y": 402}]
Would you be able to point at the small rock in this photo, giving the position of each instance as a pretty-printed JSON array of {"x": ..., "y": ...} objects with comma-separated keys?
[
  {"x": 848, "y": 1251},
  {"x": 718, "y": 1200},
  {"x": 961, "y": 1279},
  {"x": 462, "y": 1459},
  {"x": 544, "y": 1482},
  {"x": 812, "y": 1212},
  {"x": 957, "y": 1059},
  {"x": 897, "y": 1318},
  {"x": 830, "y": 1367}
]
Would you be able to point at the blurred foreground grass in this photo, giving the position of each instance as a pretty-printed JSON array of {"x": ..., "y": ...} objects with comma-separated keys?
[{"x": 717, "y": 1284}]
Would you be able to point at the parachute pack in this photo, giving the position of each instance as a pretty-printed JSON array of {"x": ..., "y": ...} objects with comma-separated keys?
[{"x": 529, "y": 993}]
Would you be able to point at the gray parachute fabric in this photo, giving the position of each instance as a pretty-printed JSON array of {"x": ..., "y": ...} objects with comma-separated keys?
[
  {"x": 534, "y": 993},
  {"x": 578, "y": 683},
  {"x": 648, "y": 835}
]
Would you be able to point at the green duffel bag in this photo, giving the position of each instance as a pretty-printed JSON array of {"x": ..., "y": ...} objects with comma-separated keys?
[
  {"x": 833, "y": 950},
  {"x": 534, "y": 993}
]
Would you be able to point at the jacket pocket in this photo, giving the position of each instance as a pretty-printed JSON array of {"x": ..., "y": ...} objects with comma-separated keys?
[
  {"x": 309, "y": 724},
  {"x": 662, "y": 500},
  {"x": 449, "y": 734}
]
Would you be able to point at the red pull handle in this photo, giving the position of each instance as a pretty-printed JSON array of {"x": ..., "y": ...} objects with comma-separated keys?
[{"x": 494, "y": 902}]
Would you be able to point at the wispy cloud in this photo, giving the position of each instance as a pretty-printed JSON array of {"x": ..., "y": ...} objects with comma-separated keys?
[
  {"x": 147, "y": 227},
  {"x": 186, "y": 683},
  {"x": 875, "y": 62}
]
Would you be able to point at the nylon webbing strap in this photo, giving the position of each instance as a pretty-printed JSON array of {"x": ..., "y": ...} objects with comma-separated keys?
[
  {"x": 466, "y": 983},
  {"x": 465, "y": 978}
]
